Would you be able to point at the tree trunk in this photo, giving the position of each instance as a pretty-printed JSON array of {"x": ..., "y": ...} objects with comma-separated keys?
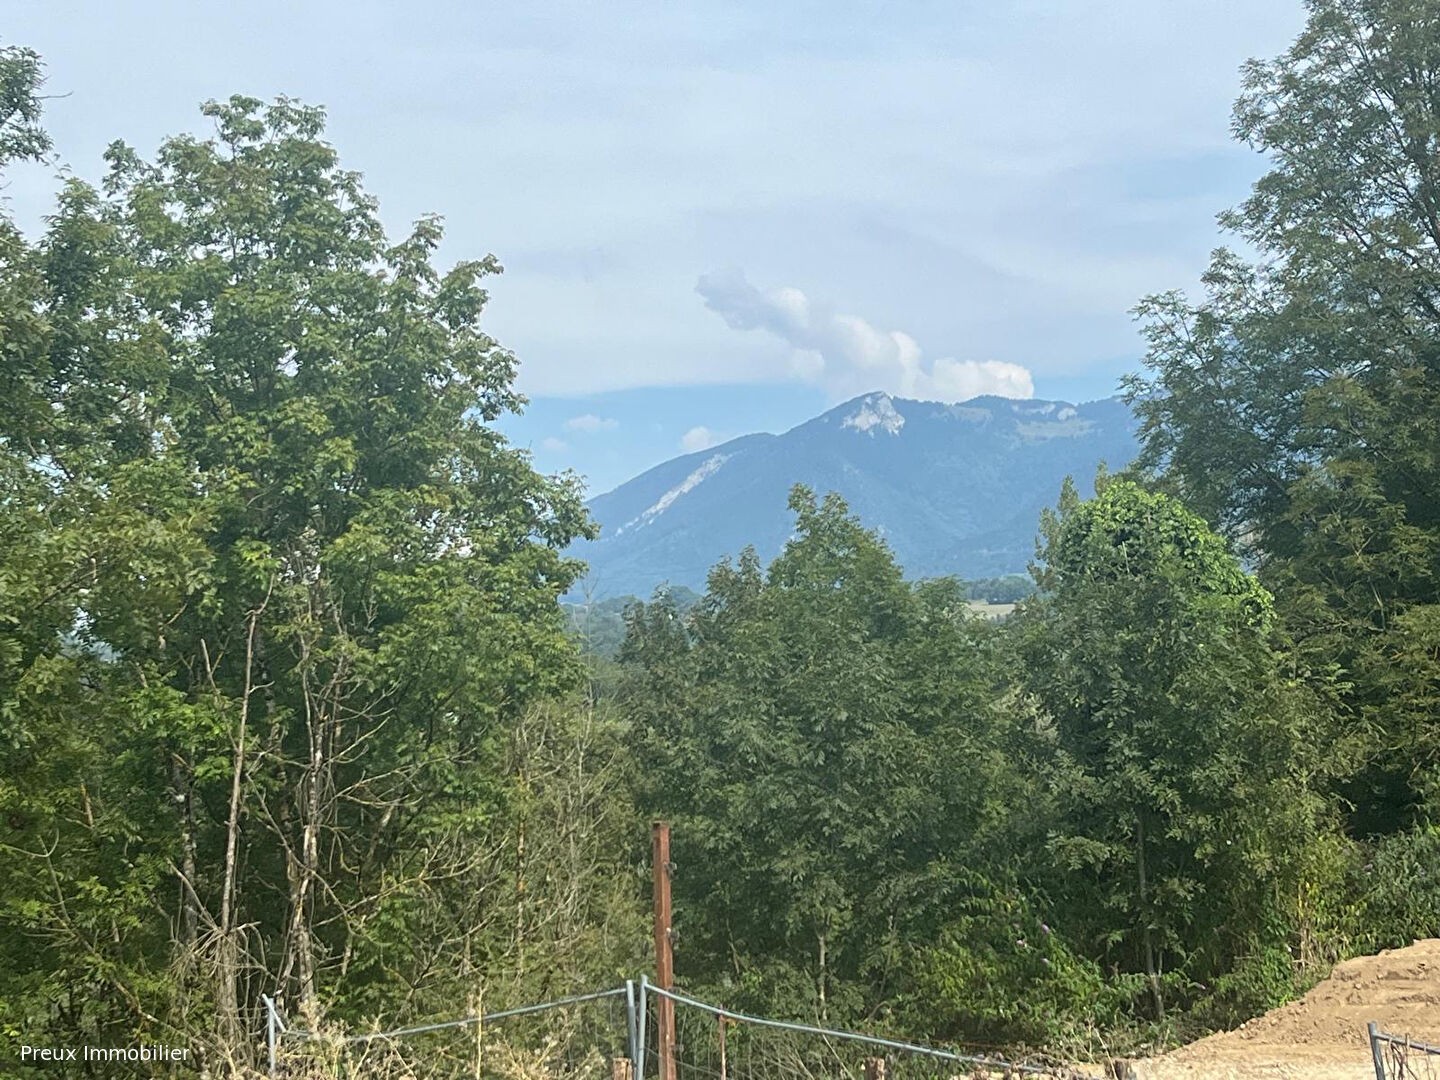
[
  {"x": 520, "y": 897},
  {"x": 308, "y": 869},
  {"x": 180, "y": 778},
  {"x": 302, "y": 869},
  {"x": 1148, "y": 941},
  {"x": 227, "y": 973},
  {"x": 824, "y": 975}
]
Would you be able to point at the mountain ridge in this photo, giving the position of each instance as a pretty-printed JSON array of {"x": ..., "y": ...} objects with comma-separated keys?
[{"x": 953, "y": 488}]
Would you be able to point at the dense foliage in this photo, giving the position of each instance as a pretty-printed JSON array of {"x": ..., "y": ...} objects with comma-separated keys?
[
  {"x": 289, "y": 704},
  {"x": 826, "y": 740},
  {"x": 278, "y": 618},
  {"x": 887, "y": 806},
  {"x": 1183, "y": 746},
  {"x": 1295, "y": 405}
]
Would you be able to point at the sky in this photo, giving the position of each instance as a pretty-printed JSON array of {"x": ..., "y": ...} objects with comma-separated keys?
[{"x": 719, "y": 218}]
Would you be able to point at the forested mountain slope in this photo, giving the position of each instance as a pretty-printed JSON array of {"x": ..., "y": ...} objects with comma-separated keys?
[{"x": 953, "y": 489}]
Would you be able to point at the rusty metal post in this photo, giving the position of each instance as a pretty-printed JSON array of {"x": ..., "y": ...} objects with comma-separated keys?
[
  {"x": 720, "y": 1018},
  {"x": 664, "y": 951},
  {"x": 875, "y": 1068},
  {"x": 622, "y": 1068}
]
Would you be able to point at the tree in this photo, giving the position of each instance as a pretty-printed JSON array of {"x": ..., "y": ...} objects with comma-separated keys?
[
  {"x": 1294, "y": 405},
  {"x": 74, "y": 889},
  {"x": 1180, "y": 738},
  {"x": 22, "y": 137},
  {"x": 818, "y": 733},
  {"x": 308, "y": 590}
]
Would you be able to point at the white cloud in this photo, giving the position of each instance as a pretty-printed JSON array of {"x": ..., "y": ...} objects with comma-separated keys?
[
  {"x": 590, "y": 423},
  {"x": 625, "y": 152},
  {"x": 959, "y": 380},
  {"x": 848, "y": 356},
  {"x": 698, "y": 438},
  {"x": 554, "y": 445}
]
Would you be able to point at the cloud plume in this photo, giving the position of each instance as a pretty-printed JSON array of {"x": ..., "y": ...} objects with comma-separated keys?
[
  {"x": 698, "y": 438},
  {"x": 591, "y": 423},
  {"x": 848, "y": 356}
]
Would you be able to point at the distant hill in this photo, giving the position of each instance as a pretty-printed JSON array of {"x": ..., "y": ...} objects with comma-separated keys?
[
  {"x": 953, "y": 489},
  {"x": 598, "y": 626}
]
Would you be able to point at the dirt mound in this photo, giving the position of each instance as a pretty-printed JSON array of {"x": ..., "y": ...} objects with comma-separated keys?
[{"x": 1323, "y": 1034}]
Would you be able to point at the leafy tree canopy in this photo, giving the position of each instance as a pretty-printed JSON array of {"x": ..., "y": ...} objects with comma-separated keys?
[
  {"x": 1181, "y": 765},
  {"x": 1294, "y": 405}
]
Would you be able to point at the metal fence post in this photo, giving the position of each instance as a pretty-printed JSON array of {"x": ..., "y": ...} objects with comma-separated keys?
[
  {"x": 630, "y": 1040},
  {"x": 1375, "y": 1053},
  {"x": 270, "y": 1032},
  {"x": 641, "y": 1018}
]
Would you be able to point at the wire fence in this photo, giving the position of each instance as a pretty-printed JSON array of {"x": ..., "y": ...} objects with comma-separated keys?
[
  {"x": 614, "y": 1035},
  {"x": 570, "y": 1038},
  {"x": 1399, "y": 1057},
  {"x": 715, "y": 1043}
]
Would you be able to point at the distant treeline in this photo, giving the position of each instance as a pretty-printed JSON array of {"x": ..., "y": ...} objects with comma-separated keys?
[
  {"x": 599, "y": 625},
  {"x": 1007, "y": 589}
]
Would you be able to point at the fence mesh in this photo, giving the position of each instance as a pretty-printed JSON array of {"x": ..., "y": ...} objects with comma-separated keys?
[
  {"x": 597, "y": 1037},
  {"x": 1398, "y": 1057},
  {"x": 570, "y": 1039},
  {"x": 714, "y": 1044}
]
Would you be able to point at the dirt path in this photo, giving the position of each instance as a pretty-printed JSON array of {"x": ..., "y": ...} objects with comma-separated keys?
[{"x": 1322, "y": 1036}]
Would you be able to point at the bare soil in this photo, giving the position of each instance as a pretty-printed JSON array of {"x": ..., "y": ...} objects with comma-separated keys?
[{"x": 1322, "y": 1036}]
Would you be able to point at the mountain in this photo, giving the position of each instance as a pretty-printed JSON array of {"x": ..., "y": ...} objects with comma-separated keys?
[{"x": 953, "y": 489}]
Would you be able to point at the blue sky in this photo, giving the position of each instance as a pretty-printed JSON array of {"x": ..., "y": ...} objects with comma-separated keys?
[{"x": 724, "y": 217}]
